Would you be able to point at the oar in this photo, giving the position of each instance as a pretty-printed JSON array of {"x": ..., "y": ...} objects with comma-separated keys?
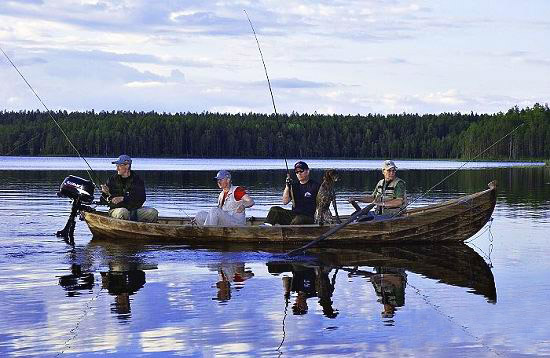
[{"x": 337, "y": 228}]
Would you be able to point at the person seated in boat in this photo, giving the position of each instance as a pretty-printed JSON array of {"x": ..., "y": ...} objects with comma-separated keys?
[
  {"x": 232, "y": 202},
  {"x": 389, "y": 195},
  {"x": 125, "y": 194},
  {"x": 304, "y": 197}
]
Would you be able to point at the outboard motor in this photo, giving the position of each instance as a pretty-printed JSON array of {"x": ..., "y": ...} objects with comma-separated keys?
[
  {"x": 81, "y": 191},
  {"x": 76, "y": 188}
]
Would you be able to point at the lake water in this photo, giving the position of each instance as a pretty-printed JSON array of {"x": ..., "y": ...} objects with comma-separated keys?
[{"x": 485, "y": 299}]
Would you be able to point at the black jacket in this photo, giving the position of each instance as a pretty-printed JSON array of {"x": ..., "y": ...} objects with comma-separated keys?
[{"x": 131, "y": 188}]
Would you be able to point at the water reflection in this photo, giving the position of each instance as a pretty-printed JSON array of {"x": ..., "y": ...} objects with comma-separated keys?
[
  {"x": 77, "y": 281},
  {"x": 307, "y": 281},
  {"x": 385, "y": 267},
  {"x": 122, "y": 280},
  {"x": 230, "y": 274}
]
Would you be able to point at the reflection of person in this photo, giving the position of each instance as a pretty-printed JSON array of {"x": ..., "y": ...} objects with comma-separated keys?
[
  {"x": 305, "y": 195},
  {"x": 389, "y": 284},
  {"x": 125, "y": 194},
  {"x": 390, "y": 193},
  {"x": 232, "y": 202},
  {"x": 310, "y": 282},
  {"x": 229, "y": 273},
  {"x": 122, "y": 282}
]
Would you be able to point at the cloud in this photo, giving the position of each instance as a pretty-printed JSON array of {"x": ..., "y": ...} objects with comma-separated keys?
[{"x": 295, "y": 83}]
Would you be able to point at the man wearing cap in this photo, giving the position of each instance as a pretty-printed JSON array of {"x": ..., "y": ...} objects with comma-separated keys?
[
  {"x": 390, "y": 194},
  {"x": 232, "y": 202},
  {"x": 304, "y": 195},
  {"x": 125, "y": 194}
]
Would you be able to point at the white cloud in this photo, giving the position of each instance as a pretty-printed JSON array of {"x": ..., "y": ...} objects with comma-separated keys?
[{"x": 349, "y": 56}]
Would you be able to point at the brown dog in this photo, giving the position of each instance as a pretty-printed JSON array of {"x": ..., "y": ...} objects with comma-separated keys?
[{"x": 325, "y": 197}]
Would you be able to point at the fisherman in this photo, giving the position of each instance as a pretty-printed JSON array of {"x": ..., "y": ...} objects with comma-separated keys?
[
  {"x": 304, "y": 193},
  {"x": 389, "y": 195},
  {"x": 232, "y": 202},
  {"x": 125, "y": 194}
]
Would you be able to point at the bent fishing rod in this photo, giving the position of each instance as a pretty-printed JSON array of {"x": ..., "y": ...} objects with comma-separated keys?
[
  {"x": 89, "y": 172},
  {"x": 272, "y": 100},
  {"x": 360, "y": 212}
]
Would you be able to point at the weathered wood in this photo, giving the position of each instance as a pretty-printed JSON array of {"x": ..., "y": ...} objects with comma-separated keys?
[{"x": 451, "y": 221}]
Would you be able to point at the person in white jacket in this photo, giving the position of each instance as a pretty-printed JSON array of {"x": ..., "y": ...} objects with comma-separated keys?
[{"x": 232, "y": 203}]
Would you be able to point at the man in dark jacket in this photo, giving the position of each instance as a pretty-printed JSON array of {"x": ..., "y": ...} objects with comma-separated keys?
[
  {"x": 304, "y": 195},
  {"x": 125, "y": 194}
]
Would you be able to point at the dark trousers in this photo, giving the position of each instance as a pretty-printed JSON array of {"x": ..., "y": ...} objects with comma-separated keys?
[{"x": 278, "y": 215}]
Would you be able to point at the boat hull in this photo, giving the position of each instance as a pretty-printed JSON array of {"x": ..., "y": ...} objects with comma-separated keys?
[{"x": 451, "y": 221}]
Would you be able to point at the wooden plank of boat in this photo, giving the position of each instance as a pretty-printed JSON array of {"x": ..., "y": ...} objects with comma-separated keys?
[{"x": 450, "y": 221}]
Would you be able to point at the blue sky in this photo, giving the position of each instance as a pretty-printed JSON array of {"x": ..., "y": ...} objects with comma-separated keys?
[{"x": 340, "y": 56}]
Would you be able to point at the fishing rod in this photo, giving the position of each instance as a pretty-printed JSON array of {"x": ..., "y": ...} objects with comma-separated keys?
[
  {"x": 272, "y": 100},
  {"x": 89, "y": 172},
  {"x": 367, "y": 208},
  {"x": 454, "y": 172}
]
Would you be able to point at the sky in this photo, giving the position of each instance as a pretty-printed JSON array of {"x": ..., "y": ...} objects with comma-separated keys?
[{"x": 329, "y": 57}]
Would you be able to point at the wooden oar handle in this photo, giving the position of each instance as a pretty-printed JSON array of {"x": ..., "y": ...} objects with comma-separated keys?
[{"x": 355, "y": 205}]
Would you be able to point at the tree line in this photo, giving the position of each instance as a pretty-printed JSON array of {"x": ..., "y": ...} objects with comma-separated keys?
[{"x": 253, "y": 135}]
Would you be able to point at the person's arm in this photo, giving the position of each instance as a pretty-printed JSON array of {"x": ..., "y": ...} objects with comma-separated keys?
[
  {"x": 245, "y": 202},
  {"x": 286, "y": 192},
  {"x": 362, "y": 199}
]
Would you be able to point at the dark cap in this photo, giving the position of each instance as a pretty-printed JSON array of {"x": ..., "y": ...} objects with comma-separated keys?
[
  {"x": 123, "y": 159},
  {"x": 301, "y": 165}
]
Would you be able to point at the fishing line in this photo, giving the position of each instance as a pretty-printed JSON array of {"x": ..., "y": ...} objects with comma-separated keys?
[
  {"x": 462, "y": 166},
  {"x": 75, "y": 329},
  {"x": 52, "y": 117},
  {"x": 272, "y": 98},
  {"x": 453, "y": 320}
]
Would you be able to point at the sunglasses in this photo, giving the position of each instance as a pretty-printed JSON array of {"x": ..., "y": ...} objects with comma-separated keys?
[{"x": 299, "y": 171}]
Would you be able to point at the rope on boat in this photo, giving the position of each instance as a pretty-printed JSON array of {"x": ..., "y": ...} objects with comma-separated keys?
[
  {"x": 53, "y": 118},
  {"x": 487, "y": 229}
]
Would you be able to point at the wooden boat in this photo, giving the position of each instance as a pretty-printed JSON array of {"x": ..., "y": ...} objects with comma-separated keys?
[{"x": 451, "y": 221}]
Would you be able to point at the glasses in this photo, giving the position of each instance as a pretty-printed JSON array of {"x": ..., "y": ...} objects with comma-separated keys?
[
  {"x": 299, "y": 171},
  {"x": 391, "y": 170}
]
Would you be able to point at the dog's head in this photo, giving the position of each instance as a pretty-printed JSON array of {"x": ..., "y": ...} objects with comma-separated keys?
[{"x": 331, "y": 176}]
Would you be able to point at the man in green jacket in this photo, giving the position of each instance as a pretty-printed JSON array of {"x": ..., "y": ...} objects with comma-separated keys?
[
  {"x": 389, "y": 195},
  {"x": 125, "y": 194}
]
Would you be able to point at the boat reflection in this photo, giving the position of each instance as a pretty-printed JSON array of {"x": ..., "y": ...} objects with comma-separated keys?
[
  {"x": 385, "y": 267},
  {"x": 307, "y": 281}
]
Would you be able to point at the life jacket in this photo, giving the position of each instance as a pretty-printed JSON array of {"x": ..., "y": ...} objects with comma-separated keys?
[
  {"x": 230, "y": 204},
  {"x": 387, "y": 194}
]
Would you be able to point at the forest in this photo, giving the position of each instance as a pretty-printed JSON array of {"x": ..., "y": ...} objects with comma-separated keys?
[{"x": 252, "y": 135}]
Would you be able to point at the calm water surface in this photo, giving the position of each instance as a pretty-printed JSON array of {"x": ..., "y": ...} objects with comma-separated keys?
[{"x": 486, "y": 299}]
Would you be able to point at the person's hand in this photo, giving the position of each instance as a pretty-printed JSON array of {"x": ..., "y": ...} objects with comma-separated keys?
[
  {"x": 117, "y": 199},
  {"x": 288, "y": 180},
  {"x": 105, "y": 189}
]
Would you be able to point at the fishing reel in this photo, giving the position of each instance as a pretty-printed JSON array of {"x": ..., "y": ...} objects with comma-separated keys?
[{"x": 81, "y": 192}]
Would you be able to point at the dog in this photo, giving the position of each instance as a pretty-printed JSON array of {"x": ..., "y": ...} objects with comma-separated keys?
[{"x": 325, "y": 197}]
